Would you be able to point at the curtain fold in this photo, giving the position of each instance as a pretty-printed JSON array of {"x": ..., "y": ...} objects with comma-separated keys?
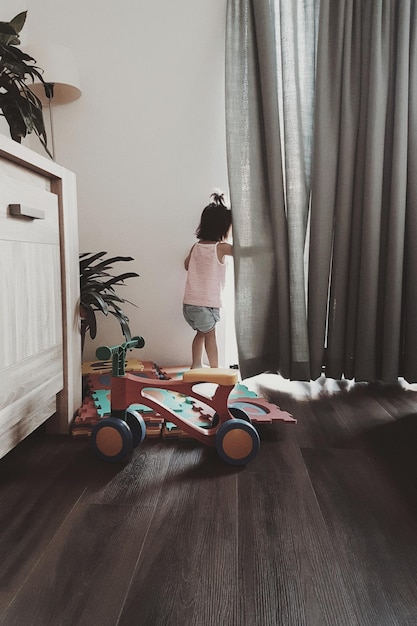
[
  {"x": 269, "y": 157},
  {"x": 409, "y": 337},
  {"x": 321, "y": 137},
  {"x": 357, "y": 295}
]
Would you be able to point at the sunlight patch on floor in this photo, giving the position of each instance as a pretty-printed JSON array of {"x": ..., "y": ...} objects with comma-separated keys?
[{"x": 299, "y": 389}]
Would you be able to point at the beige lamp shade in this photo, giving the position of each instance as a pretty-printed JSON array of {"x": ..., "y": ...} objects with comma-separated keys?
[{"x": 59, "y": 68}]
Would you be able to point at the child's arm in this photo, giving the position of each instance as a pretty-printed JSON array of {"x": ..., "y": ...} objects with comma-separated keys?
[
  {"x": 224, "y": 249},
  {"x": 187, "y": 260}
]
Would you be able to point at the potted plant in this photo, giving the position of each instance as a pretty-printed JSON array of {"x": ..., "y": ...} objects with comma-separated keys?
[
  {"x": 21, "y": 108},
  {"x": 98, "y": 294}
]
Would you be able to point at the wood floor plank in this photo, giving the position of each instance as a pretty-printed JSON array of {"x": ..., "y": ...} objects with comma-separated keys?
[
  {"x": 383, "y": 422},
  {"x": 308, "y": 431},
  {"x": 398, "y": 398},
  {"x": 187, "y": 571},
  {"x": 288, "y": 569},
  {"x": 393, "y": 447},
  {"x": 83, "y": 575},
  {"x": 358, "y": 409},
  {"x": 374, "y": 532},
  {"x": 331, "y": 414},
  {"x": 136, "y": 481},
  {"x": 37, "y": 492}
]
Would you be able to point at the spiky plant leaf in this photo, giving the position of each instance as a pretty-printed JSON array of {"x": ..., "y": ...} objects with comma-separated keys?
[
  {"x": 98, "y": 294},
  {"x": 19, "y": 106},
  {"x": 18, "y": 21}
]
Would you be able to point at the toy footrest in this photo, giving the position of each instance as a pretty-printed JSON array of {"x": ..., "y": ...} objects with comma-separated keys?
[{"x": 217, "y": 375}]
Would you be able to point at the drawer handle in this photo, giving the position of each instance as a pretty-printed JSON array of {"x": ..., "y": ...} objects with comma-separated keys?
[{"x": 21, "y": 210}]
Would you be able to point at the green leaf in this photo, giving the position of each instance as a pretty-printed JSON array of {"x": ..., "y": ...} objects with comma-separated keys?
[
  {"x": 111, "y": 298},
  {"x": 87, "y": 261},
  {"x": 107, "y": 264},
  {"x": 97, "y": 287},
  {"x": 124, "y": 325},
  {"x": 18, "y": 21},
  {"x": 94, "y": 298},
  {"x": 92, "y": 325},
  {"x": 8, "y": 34},
  {"x": 120, "y": 279},
  {"x": 21, "y": 108}
]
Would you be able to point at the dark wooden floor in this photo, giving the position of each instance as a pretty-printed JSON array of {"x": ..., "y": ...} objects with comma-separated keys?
[{"x": 320, "y": 529}]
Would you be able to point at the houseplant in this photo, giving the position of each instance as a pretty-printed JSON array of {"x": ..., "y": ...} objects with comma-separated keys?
[
  {"x": 18, "y": 105},
  {"x": 98, "y": 294}
]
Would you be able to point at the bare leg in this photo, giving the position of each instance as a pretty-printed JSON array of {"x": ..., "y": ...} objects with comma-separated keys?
[
  {"x": 211, "y": 347},
  {"x": 197, "y": 350}
]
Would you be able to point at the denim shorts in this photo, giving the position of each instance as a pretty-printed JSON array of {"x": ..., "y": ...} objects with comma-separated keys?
[{"x": 202, "y": 318}]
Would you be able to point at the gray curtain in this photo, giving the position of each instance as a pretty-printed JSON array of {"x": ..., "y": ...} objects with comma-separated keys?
[
  {"x": 360, "y": 93},
  {"x": 270, "y": 74}
]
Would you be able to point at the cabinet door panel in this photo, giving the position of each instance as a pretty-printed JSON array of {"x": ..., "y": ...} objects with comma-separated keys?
[
  {"x": 40, "y": 356},
  {"x": 23, "y": 416},
  {"x": 30, "y": 303},
  {"x": 27, "y": 376}
]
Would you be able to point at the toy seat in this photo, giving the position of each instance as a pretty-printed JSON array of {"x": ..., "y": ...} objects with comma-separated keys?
[{"x": 217, "y": 375}]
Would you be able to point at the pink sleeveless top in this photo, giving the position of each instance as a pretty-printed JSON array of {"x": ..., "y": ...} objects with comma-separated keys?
[{"x": 205, "y": 277}]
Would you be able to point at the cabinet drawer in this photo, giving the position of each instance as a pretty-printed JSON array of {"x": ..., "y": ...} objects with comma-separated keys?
[{"x": 42, "y": 229}]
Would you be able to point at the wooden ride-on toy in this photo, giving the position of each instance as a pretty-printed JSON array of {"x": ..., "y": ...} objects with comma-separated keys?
[{"x": 113, "y": 438}]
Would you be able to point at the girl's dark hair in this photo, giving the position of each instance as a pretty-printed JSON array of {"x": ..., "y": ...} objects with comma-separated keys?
[{"x": 215, "y": 221}]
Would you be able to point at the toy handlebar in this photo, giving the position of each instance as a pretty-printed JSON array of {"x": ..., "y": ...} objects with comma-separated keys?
[{"x": 118, "y": 354}]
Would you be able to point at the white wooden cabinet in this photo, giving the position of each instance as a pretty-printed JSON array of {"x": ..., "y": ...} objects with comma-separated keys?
[{"x": 40, "y": 352}]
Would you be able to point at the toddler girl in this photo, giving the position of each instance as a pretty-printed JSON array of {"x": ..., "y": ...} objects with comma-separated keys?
[{"x": 206, "y": 269}]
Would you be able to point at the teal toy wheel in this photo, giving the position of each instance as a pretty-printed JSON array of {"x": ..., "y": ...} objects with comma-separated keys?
[
  {"x": 235, "y": 411},
  {"x": 237, "y": 442},
  {"x": 239, "y": 413},
  {"x": 112, "y": 439},
  {"x": 137, "y": 425}
]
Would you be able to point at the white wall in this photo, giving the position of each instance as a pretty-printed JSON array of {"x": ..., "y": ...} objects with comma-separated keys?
[{"x": 146, "y": 140}]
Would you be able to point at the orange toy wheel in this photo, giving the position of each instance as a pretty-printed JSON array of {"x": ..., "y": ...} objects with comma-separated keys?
[
  {"x": 112, "y": 439},
  {"x": 237, "y": 442}
]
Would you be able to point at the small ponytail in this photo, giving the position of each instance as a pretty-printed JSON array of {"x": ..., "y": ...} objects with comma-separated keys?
[{"x": 218, "y": 198}]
